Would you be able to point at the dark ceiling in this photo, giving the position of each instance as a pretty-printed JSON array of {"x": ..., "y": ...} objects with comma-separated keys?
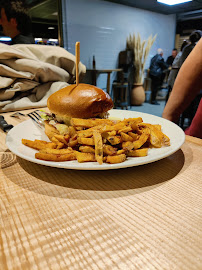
[
  {"x": 44, "y": 14},
  {"x": 47, "y": 9},
  {"x": 43, "y": 10}
]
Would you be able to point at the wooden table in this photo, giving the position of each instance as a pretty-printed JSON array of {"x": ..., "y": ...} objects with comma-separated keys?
[
  {"x": 146, "y": 217},
  {"x": 95, "y": 72}
]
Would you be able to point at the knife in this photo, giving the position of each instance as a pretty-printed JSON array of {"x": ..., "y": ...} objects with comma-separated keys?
[{"x": 4, "y": 125}]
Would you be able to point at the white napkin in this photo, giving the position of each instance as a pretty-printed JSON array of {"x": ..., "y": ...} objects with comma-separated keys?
[{"x": 29, "y": 74}]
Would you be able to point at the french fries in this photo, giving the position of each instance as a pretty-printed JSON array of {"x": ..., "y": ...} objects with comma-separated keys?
[{"x": 101, "y": 140}]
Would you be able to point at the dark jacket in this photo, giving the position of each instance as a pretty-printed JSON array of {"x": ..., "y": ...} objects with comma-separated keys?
[
  {"x": 185, "y": 52},
  {"x": 21, "y": 39},
  {"x": 157, "y": 66},
  {"x": 170, "y": 60}
]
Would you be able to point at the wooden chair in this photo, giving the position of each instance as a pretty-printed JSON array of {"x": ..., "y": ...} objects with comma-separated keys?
[
  {"x": 122, "y": 85},
  {"x": 147, "y": 85},
  {"x": 120, "y": 94}
]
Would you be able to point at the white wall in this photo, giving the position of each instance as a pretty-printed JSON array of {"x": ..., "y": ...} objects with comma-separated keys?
[{"x": 102, "y": 28}]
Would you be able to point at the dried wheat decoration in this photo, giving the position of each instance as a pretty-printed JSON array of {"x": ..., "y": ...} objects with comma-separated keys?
[{"x": 141, "y": 51}]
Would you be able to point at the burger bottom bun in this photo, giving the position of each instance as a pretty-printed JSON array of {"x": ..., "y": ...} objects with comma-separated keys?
[{"x": 50, "y": 130}]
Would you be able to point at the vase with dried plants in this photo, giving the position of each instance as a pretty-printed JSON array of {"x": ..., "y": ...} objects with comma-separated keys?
[{"x": 141, "y": 51}]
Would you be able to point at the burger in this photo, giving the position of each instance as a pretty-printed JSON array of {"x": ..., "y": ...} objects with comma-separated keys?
[{"x": 75, "y": 101}]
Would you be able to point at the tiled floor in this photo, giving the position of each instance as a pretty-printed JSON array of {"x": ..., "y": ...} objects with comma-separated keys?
[
  {"x": 149, "y": 108},
  {"x": 146, "y": 107}
]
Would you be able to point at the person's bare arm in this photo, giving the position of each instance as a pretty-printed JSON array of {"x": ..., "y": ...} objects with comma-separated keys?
[{"x": 187, "y": 84}]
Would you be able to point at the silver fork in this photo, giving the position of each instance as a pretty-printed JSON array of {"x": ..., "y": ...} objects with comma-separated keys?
[{"x": 36, "y": 117}]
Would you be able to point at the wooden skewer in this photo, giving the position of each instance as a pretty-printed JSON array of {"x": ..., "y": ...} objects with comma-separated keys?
[{"x": 77, "y": 50}]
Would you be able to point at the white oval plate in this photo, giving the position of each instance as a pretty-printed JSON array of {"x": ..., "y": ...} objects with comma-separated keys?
[{"x": 28, "y": 130}]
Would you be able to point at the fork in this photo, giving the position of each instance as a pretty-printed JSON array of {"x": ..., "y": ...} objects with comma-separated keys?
[{"x": 36, "y": 117}]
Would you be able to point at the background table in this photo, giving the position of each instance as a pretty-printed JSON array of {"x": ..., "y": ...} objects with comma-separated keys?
[
  {"x": 146, "y": 217},
  {"x": 95, "y": 72}
]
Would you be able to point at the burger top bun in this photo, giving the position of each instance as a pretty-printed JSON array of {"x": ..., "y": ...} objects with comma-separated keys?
[{"x": 81, "y": 101}]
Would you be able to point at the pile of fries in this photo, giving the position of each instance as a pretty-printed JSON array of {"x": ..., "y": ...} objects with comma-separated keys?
[{"x": 101, "y": 140}]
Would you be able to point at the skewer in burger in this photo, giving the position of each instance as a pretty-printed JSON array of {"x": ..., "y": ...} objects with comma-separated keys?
[{"x": 75, "y": 101}]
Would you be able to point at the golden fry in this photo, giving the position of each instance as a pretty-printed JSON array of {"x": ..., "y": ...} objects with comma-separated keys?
[
  {"x": 116, "y": 159},
  {"x": 166, "y": 140},
  {"x": 85, "y": 157},
  {"x": 60, "y": 145},
  {"x": 72, "y": 131},
  {"x": 155, "y": 140},
  {"x": 125, "y": 137},
  {"x": 57, "y": 158},
  {"x": 142, "y": 139},
  {"x": 56, "y": 151},
  {"x": 98, "y": 146},
  {"x": 87, "y": 133},
  {"x": 79, "y": 128},
  {"x": 87, "y": 123},
  {"x": 134, "y": 126},
  {"x": 111, "y": 133},
  {"x": 138, "y": 152},
  {"x": 115, "y": 127},
  {"x": 150, "y": 125},
  {"x": 86, "y": 149},
  {"x": 87, "y": 141},
  {"x": 125, "y": 129},
  {"x": 122, "y": 151},
  {"x": 72, "y": 142},
  {"x": 54, "y": 139},
  {"x": 57, "y": 142},
  {"x": 37, "y": 144},
  {"x": 40, "y": 141},
  {"x": 135, "y": 136},
  {"x": 130, "y": 121},
  {"x": 157, "y": 126},
  {"x": 109, "y": 150},
  {"x": 127, "y": 145},
  {"x": 156, "y": 136},
  {"x": 62, "y": 138},
  {"x": 114, "y": 140}
]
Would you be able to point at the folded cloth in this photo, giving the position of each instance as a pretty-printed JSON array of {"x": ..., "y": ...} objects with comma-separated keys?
[{"x": 30, "y": 73}]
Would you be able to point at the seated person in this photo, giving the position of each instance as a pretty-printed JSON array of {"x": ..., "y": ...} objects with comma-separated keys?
[{"x": 16, "y": 22}]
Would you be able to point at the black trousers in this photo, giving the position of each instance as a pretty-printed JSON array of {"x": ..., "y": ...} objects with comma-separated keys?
[{"x": 156, "y": 83}]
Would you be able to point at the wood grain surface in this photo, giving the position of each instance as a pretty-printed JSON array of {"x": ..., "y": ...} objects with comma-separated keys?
[{"x": 146, "y": 217}]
